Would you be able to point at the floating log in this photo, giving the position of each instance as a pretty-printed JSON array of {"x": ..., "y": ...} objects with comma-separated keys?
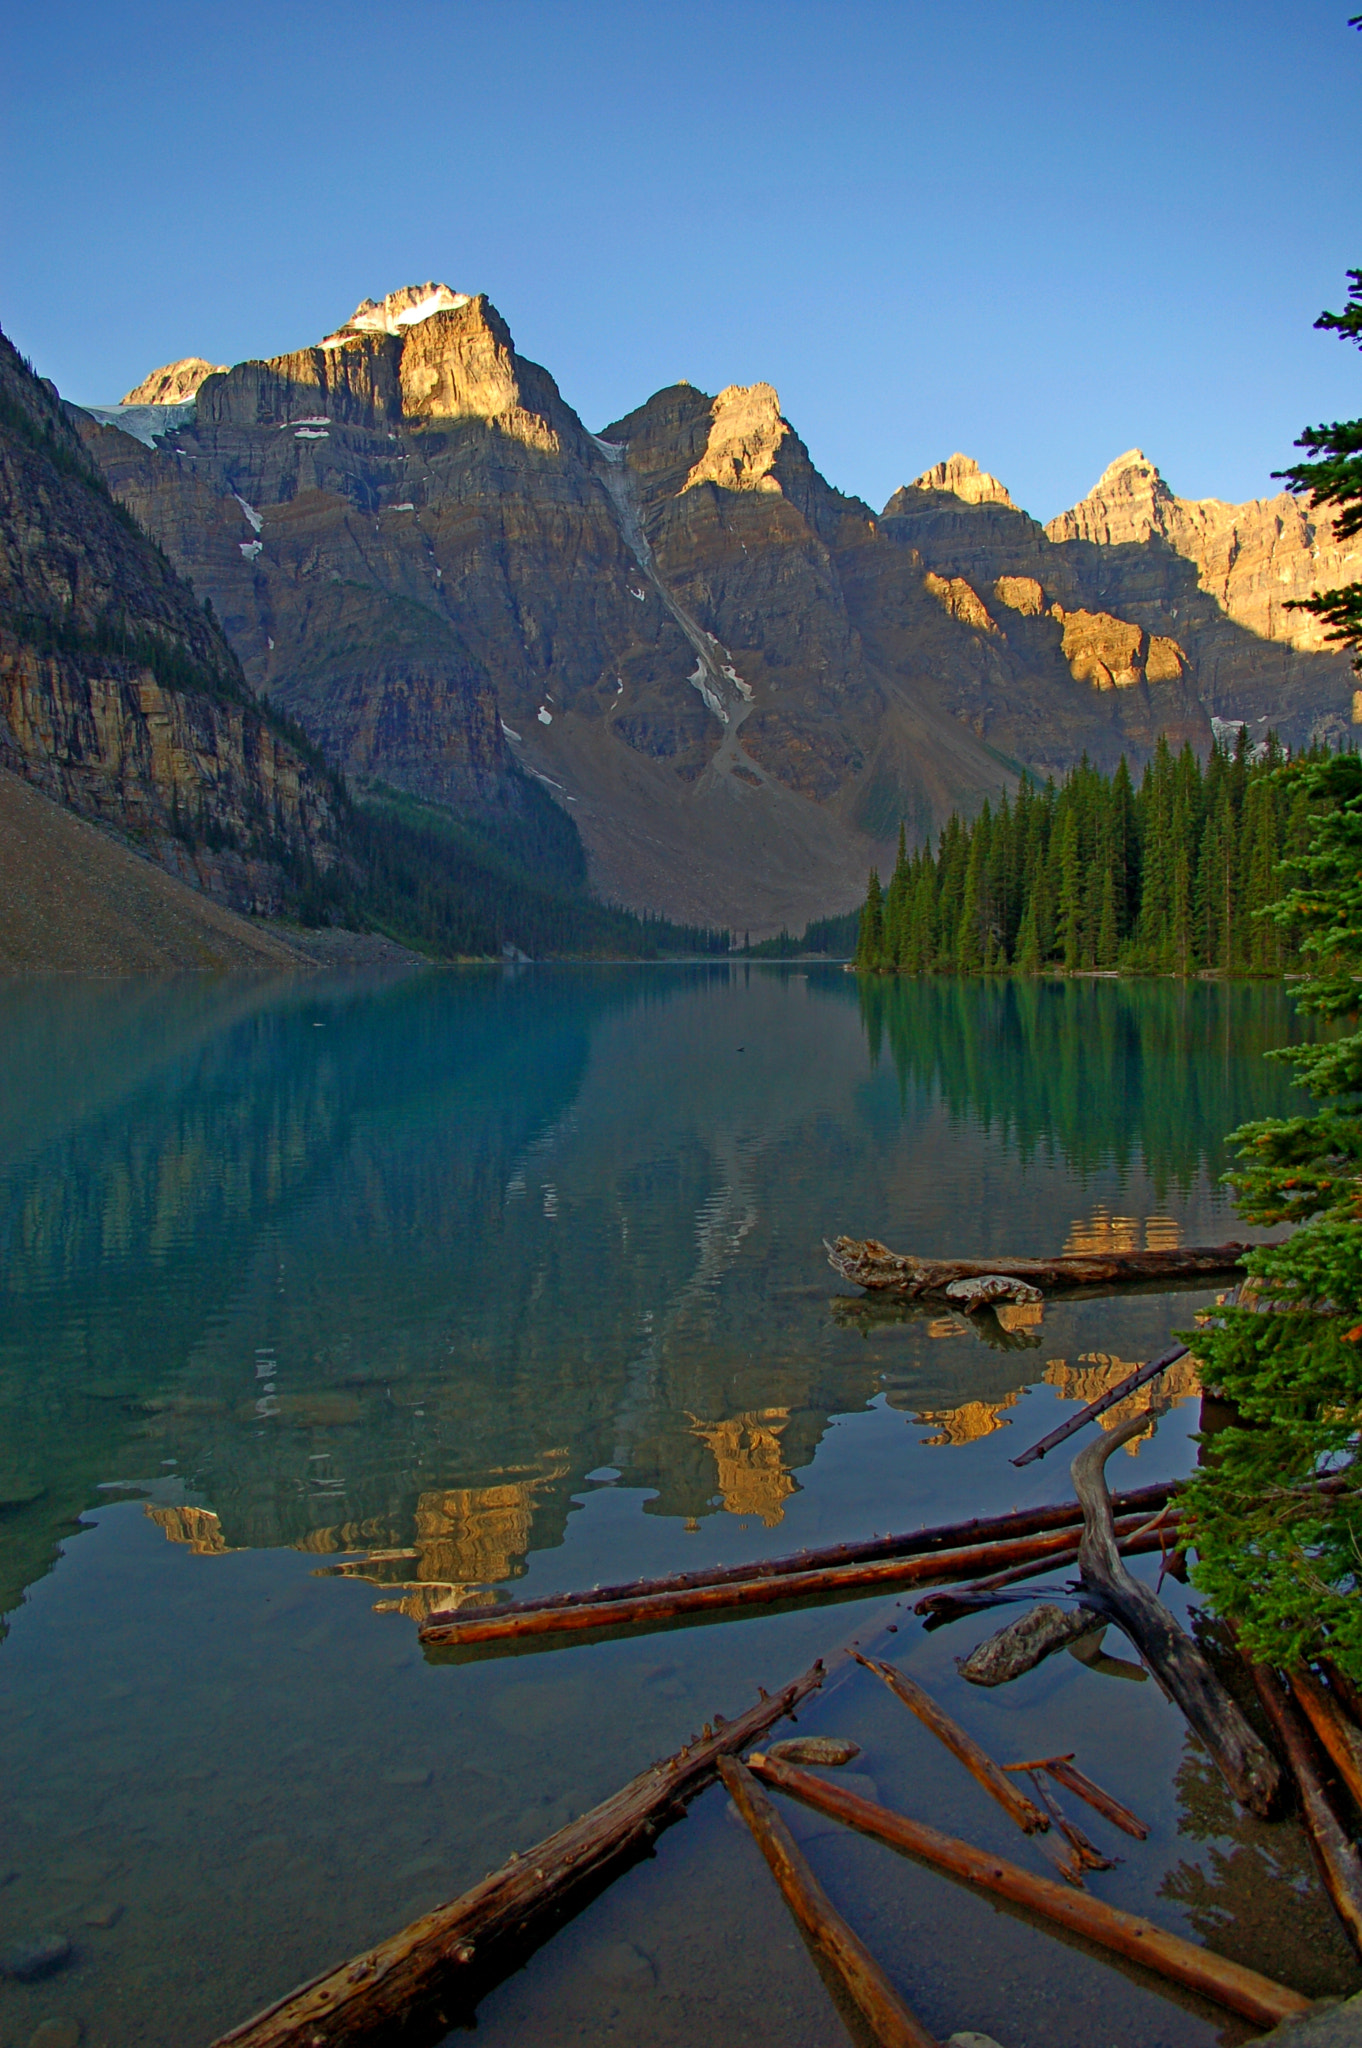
[
  {"x": 1337, "y": 1859},
  {"x": 442, "y": 1963},
  {"x": 1338, "y": 1735},
  {"x": 1244, "y": 1762},
  {"x": 1130, "y": 1384},
  {"x": 946, "y": 1536},
  {"x": 977, "y": 1761},
  {"x": 1127, "y": 1934},
  {"x": 939, "y": 1608},
  {"x": 890, "y": 2023},
  {"x": 868, "y": 1263},
  {"x": 479, "y": 1625}
]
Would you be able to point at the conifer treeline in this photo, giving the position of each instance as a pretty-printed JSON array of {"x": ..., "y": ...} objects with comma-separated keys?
[{"x": 1098, "y": 874}]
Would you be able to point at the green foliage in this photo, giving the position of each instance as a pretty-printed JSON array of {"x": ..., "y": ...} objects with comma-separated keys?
[
  {"x": 834, "y": 937},
  {"x": 1275, "y": 1554},
  {"x": 1334, "y": 477},
  {"x": 1094, "y": 875},
  {"x": 455, "y": 889}
]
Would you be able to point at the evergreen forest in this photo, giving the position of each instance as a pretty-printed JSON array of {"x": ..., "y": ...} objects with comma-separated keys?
[{"x": 1099, "y": 874}]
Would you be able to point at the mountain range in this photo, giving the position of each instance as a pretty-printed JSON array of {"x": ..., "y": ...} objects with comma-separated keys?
[{"x": 733, "y": 679}]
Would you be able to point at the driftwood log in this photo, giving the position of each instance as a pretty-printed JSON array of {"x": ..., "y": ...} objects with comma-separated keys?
[
  {"x": 1244, "y": 1762},
  {"x": 947, "y": 1536},
  {"x": 962, "y": 1744},
  {"x": 1126, "y": 1934},
  {"x": 865, "y": 1262},
  {"x": 1135, "y": 1538},
  {"x": 473, "y": 1626},
  {"x": 1086, "y": 1855},
  {"x": 1336, "y": 1856},
  {"x": 1337, "y": 1733},
  {"x": 839, "y": 1951},
  {"x": 431, "y": 1973},
  {"x": 1065, "y": 1772}
]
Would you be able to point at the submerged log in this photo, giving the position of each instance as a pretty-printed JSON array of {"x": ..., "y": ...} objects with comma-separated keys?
[
  {"x": 946, "y": 1536},
  {"x": 868, "y": 1263},
  {"x": 490, "y": 1625},
  {"x": 1337, "y": 1859},
  {"x": 1065, "y": 1772},
  {"x": 961, "y": 1743},
  {"x": 1087, "y": 1855},
  {"x": 842, "y": 1953},
  {"x": 442, "y": 1963},
  {"x": 1228, "y": 1984},
  {"x": 1244, "y": 1762}
]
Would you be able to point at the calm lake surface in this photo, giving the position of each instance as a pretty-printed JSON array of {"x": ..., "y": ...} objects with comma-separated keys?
[{"x": 327, "y": 1301}]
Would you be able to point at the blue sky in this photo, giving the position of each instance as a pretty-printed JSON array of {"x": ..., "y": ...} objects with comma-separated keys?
[{"x": 1041, "y": 233}]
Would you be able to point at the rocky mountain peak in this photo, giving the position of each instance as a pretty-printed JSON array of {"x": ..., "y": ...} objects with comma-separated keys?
[
  {"x": 745, "y": 435},
  {"x": 406, "y": 307},
  {"x": 963, "y": 478},
  {"x": 173, "y": 383},
  {"x": 1129, "y": 502}
]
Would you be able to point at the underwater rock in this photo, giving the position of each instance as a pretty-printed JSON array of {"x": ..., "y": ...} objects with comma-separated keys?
[
  {"x": 814, "y": 1749},
  {"x": 34, "y": 1956}
]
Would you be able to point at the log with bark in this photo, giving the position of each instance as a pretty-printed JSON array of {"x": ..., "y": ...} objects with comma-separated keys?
[
  {"x": 1339, "y": 1865},
  {"x": 980, "y": 1765},
  {"x": 868, "y": 1263},
  {"x": 1228, "y": 1984},
  {"x": 540, "y": 1626},
  {"x": 1245, "y": 1763},
  {"x": 947, "y": 1536},
  {"x": 839, "y": 1952},
  {"x": 427, "y": 1977}
]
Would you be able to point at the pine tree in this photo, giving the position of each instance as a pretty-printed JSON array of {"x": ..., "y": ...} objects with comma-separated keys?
[
  {"x": 1274, "y": 1552},
  {"x": 870, "y": 944}
]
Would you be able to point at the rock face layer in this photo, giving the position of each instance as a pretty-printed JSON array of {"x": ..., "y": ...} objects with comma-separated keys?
[
  {"x": 118, "y": 696},
  {"x": 735, "y": 679}
]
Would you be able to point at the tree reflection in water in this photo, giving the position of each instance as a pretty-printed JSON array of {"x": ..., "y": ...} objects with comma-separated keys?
[{"x": 1252, "y": 1893}]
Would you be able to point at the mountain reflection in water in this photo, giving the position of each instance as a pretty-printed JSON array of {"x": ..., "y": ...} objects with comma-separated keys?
[
  {"x": 394, "y": 1286},
  {"x": 469, "y": 1283}
]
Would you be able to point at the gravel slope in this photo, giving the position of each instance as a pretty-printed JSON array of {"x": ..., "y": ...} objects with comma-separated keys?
[{"x": 75, "y": 900}]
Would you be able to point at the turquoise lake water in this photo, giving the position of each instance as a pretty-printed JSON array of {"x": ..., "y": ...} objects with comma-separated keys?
[{"x": 325, "y": 1301}]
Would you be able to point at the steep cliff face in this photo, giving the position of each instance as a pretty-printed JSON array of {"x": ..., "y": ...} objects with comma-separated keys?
[
  {"x": 734, "y": 678},
  {"x": 1164, "y": 614},
  {"x": 1252, "y": 559},
  {"x": 118, "y": 696}
]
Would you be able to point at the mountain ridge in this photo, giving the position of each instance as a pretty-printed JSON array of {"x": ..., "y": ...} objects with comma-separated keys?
[{"x": 734, "y": 677}]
